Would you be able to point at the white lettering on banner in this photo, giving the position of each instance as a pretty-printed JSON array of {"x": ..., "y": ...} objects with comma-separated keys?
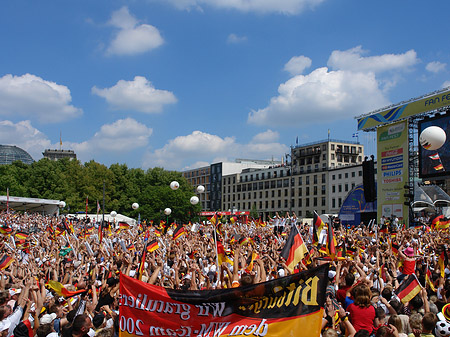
[{"x": 213, "y": 329}]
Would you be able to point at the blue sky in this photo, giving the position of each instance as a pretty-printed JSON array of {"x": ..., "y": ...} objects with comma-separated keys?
[{"x": 183, "y": 83}]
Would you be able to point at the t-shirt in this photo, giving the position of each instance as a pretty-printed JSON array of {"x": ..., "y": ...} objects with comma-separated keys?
[{"x": 361, "y": 318}]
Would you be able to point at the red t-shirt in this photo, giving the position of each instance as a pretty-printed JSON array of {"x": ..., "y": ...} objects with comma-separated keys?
[
  {"x": 340, "y": 294},
  {"x": 408, "y": 267},
  {"x": 361, "y": 318}
]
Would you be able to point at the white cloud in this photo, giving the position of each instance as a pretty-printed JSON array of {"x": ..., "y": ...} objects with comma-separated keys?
[
  {"x": 183, "y": 152},
  {"x": 25, "y": 136},
  {"x": 435, "y": 67},
  {"x": 235, "y": 39},
  {"x": 268, "y": 136},
  {"x": 446, "y": 84},
  {"x": 122, "y": 136},
  {"x": 32, "y": 97},
  {"x": 353, "y": 60},
  {"x": 259, "y": 6},
  {"x": 132, "y": 38},
  {"x": 138, "y": 95},
  {"x": 297, "y": 65},
  {"x": 354, "y": 86}
]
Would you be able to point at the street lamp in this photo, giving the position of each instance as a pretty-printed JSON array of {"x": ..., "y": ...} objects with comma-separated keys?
[{"x": 113, "y": 215}]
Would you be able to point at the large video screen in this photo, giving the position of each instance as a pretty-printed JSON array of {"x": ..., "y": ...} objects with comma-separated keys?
[{"x": 434, "y": 147}]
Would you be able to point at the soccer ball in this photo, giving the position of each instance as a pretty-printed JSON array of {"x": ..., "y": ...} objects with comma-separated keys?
[
  {"x": 432, "y": 138},
  {"x": 442, "y": 329}
]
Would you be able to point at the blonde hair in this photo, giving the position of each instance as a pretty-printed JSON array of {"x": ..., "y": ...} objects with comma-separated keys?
[{"x": 330, "y": 333}]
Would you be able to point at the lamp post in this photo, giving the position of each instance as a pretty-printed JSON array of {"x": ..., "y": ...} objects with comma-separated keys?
[{"x": 167, "y": 212}]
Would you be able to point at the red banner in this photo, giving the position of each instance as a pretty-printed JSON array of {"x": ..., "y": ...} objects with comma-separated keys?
[{"x": 288, "y": 306}]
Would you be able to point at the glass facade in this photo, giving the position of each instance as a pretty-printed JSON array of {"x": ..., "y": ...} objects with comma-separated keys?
[{"x": 10, "y": 153}]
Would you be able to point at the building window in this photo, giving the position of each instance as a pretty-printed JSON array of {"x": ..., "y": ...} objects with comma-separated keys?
[
  {"x": 307, "y": 202},
  {"x": 300, "y": 181},
  {"x": 315, "y": 190},
  {"x": 346, "y": 175},
  {"x": 340, "y": 188},
  {"x": 353, "y": 174},
  {"x": 334, "y": 177},
  {"x": 346, "y": 187},
  {"x": 360, "y": 173},
  {"x": 315, "y": 202},
  {"x": 324, "y": 202},
  {"x": 323, "y": 178},
  {"x": 340, "y": 202},
  {"x": 279, "y": 193},
  {"x": 307, "y": 180},
  {"x": 323, "y": 189},
  {"x": 333, "y": 203},
  {"x": 299, "y": 202},
  {"x": 333, "y": 189},
  {"x": 300, "y": 192},
  {"x": 307, "y": 191},
  {"x": 315, "y": 179},
  {"x": 340, "y": 176},
  {"x": 279, "y": 204}
]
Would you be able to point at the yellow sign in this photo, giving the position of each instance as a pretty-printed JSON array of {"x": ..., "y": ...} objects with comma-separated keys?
[
  {"x": 429, "y": 103},
  {"x": 392, "y": 170}
]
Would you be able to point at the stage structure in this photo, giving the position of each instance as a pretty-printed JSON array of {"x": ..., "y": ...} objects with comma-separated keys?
[{"x": 398, "y": 149}]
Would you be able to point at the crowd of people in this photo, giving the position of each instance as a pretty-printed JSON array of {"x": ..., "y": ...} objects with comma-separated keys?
[{"x": 59, "y": 277}]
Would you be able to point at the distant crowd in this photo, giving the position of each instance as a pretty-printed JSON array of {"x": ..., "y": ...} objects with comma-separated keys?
[{"x": 60, "y": 277}]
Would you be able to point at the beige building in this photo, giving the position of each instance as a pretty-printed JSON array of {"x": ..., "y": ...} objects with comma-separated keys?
[{"x": 315, "y": 168}]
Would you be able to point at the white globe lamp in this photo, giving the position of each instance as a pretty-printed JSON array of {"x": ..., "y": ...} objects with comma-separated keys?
[
  {"x": 167, "y": 211},
  {"x": 174, "y": 185},
  {"x": 194, "y": 200},
  {"x": 62, "y": 204},
  {"x": 135, "y": 205},
  {"x": 113, "y": 214},
  {"x": 200, "y": 188},
  {"x": 432, "y": 138}
]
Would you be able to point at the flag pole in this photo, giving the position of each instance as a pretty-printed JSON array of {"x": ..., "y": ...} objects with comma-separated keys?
[{"x": 215, "y": 245}]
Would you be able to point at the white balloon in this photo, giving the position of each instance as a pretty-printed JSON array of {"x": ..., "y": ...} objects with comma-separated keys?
[
  {"x": 167, "y": 211},
  {"x": 135, "y": 205},
  {"x": 194, "y": 200},
  {"x": 200, "y": 188},
  {"x": 432, "y": 138},
  {"x": 174, "y": 185},
  {"x": 113, "y": 214}
]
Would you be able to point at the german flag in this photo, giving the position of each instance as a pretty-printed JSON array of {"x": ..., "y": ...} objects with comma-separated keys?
[
  {"x": 157, "y": 232},
  {"x": 124, "y": 225},
  {"x": 152, "y": 246},
  {"x": 192, "y": 254},
  {"x": 21, "y": 236},
  {"x": 351, "y": 252},
  {"x": 131, "y": 247},
  {"x": 318, "y": 225},
  {"x": 179, "y": 232},
  {"x": 429, "y": 279},
  {"x": 5, "y": 230},
  {"x": 250, "y": 261},
  {"x": 5, "y": 261},
  {"x": 384, "y": 229},
  {"x": 438, "y": 167},
  {"x": 331, "y": 243},
  {"x": 233, "y": 219},
  {"x": 382, "y": 273},
  {"x": 60, "y": 290},
  {"x": 142, "y": 263},
  {"x": 243, "y": 240},
  {"x": 435, "y": 221},
  {"x": 221, "y": 256},
  {"x": 294, "y": 249},
  {"x": 443, "y": 261},
  {"x": 395, "y": 247},
  {"x": 214, "y": 219},
  {"x": 408, "y": 289}
]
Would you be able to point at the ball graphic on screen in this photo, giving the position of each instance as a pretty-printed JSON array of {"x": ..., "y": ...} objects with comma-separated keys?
[
  {"x": 174, "y": 185},
  {"x": 432, "y": 138}
]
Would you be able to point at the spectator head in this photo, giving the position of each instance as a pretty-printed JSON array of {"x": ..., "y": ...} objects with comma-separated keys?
[
  {"x": 362, "y": 296},
  {"x": 349, "y": 279},
  {"x": 416, "y": 303},
  {"x": 362, "y": 333},
  {"x": 387, "y": 293},
  {"x": 81, "y": 325},
  {"x": 415, "y": 321},
  {"x": 397, "y": 322},
  {"x": 47, "y": 318},
  {"x": 396, "y": 305},
  {"x": 330, "y": 333},
  {"x": 44, "y": 330},
  {"x": 428, "y": 322},
  {"x": 98, "y": 320}
]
